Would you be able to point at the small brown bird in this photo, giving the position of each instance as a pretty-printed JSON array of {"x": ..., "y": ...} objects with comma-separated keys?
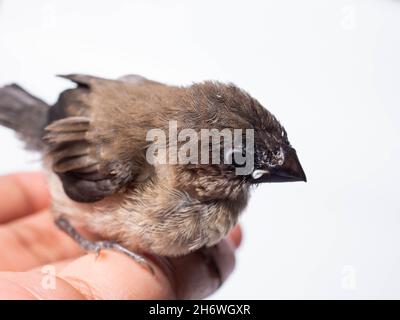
[{"x": 95, "y": 146}]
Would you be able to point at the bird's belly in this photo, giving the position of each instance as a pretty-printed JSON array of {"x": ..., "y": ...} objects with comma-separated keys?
[
  {"x": 169, "y": 228},
  {"x": 148, "y": 225}
]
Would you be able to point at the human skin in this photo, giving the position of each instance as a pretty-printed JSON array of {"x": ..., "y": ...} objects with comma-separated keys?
[{"x": 30, "y": 242}]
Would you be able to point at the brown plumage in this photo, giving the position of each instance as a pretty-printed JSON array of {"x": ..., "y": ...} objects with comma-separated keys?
[{"x": 94, "y": 140}]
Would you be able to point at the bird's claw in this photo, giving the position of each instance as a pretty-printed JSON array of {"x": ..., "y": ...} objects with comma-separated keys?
[{"x": 97, "y": 246}]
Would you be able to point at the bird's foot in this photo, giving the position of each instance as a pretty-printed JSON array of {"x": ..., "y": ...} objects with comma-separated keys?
[{"x": 97, "y": 246}]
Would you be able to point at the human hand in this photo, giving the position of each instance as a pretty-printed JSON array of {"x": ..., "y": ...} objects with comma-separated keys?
[{"x": 38, "y": 261}]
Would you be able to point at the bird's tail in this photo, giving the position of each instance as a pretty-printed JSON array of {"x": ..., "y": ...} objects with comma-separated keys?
[{"x": 24, "y": 113}]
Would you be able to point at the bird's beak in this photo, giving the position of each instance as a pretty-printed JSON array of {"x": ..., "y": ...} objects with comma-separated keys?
[{"x": 289, "y": 171}]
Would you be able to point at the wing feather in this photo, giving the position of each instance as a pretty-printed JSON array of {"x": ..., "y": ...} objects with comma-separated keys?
[{"x": 88, "y": 166}]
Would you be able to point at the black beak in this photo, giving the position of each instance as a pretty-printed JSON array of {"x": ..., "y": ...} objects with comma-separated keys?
[{"x": 289, "y": 171}]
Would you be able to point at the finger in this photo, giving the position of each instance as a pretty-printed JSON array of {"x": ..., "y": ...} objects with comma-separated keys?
[
  {"x": 58, "y": 265},
  {"x": 35, "y": 285},
  {"x": 32, "y": 241},
  {"x": 236, "y": 236},
  {"x": 200, "y": 274},
  {"x": 115, "y": 276},
  {"x": 22, "y": 194},
  {"x": 112, "y": 276}
]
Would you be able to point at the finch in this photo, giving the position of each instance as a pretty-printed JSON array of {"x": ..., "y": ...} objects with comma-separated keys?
[{"x": 95, "y": 146}]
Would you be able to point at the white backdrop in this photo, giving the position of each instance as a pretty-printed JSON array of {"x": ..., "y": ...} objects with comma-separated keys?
[{"x": 329, "y": 70}]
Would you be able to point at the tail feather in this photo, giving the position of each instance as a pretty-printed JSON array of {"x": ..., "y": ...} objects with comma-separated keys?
[{"x": 24, "y": 113}]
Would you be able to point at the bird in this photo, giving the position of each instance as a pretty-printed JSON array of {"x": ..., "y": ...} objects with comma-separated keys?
[{"x": 94, "y": 145}]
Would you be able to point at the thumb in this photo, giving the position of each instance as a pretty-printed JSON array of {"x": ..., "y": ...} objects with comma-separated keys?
[
  {"x": 110, "y": 276},
  {"x": 115, "y": 276}
]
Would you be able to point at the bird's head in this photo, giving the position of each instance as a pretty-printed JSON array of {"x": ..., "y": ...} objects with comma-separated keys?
[{"x": 264, "y": 153}]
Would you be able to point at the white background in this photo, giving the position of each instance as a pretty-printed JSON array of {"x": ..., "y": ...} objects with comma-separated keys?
[{"x": 329, "y": 70}]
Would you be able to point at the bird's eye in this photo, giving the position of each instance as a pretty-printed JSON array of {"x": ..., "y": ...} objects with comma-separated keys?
[
  {"x": 276, "y": 152},
  {"x": 278, "y": 157}
]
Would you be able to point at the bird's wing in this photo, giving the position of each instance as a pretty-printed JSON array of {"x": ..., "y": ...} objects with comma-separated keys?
[{"x": 86, "y": 165}]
